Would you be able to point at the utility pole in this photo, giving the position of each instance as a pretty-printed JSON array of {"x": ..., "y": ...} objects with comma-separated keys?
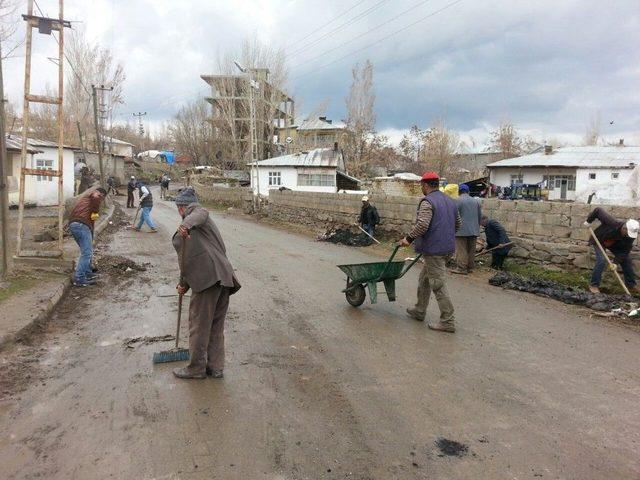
[
  {"x": 4, "y": 194},
  {"x": 94, "y": 95},
  {"x": 140, "y": 128}
]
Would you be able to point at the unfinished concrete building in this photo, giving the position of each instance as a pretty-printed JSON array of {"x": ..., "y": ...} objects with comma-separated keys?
[{"x": 231, "y": 113}]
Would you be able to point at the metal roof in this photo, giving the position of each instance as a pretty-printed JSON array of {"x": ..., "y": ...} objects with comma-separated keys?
[
  {"x": 319, "y": 157},
  {"x": 577, "y": 157},
  {"x": 321, "y": 123},
  {"x": 116, "y": 141},
  {"x": 15, "y": 143}
]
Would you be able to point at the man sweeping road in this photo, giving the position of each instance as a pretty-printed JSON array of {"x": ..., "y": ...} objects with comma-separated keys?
[
  {"x": 209, "y": 275},
  {"x": 434, "y": 236}
]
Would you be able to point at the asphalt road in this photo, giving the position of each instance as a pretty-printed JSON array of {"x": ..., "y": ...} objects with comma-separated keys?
[{"x": 314, "y": 388}]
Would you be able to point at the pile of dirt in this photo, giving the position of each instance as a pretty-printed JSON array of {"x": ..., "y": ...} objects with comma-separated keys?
[
  {"x": 118, "y": 265},
  {"x": 344, "y": 236},
  {"x": 451, "y": 448},
  {"x": 546, "y": 288}
]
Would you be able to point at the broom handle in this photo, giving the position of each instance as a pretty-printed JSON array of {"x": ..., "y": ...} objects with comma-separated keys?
[
  {"x": 612, "y": 267},
  {"x": 183, "y": 249}
]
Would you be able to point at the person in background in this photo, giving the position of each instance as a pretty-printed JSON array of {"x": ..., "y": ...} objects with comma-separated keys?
[
  {"x": 434, "y": 235},
  {"x": 131, "y": 187},
  {"x": 81, "y": 222},
  {"x": 496, "y": 235},
  {"x": 618, "y": 237},
  {"x": 77, "y": 176},
  {"x": 209, "y": 274},
  {"x": 112, "y": 185},
  {"x": 164, "y": 186},
  {"x": 368, "y": 217},
  {"x": 467, "y": 234},
  {"x": 146, "y": 204}
]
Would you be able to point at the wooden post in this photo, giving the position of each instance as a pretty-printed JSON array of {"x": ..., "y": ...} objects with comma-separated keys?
[
  {"x": 61, "y": 129},
  {"x": 4, "y": 193},
  {"x": 98, "y": 139},
  {"x": 25, "y": 127}
]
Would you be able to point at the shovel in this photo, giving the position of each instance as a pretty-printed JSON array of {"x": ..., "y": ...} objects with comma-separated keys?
[
  {"x": 612, "y": 265},
  {"x": 368, "y": 234},
  {"x": 176, "y": 354}
]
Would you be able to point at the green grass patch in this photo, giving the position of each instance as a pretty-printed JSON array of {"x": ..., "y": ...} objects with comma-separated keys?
[
  {"x": 14, "y": 285},
  {"x": 570, "y": 278}
]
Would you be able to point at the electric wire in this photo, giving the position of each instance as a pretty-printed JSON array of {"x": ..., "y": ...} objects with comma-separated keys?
[{"x": 386, "y": 37}]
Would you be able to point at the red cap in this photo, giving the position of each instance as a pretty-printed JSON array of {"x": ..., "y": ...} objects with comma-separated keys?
[{"x": 430, "y": 176}]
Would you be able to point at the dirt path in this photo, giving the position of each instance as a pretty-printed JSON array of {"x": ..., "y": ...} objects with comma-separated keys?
[{"x": 316, "y": 389}]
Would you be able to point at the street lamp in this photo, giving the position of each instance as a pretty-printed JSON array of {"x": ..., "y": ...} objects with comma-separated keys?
[{"x": 252, "y": 130}]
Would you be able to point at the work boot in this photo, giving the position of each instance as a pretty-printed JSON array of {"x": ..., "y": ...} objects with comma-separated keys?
[
  {"x": 458, "y": 271},
  {"x": 154, "y": 230},
  {"x": 442, "y": 327},
  {"x": 184, "y": 372},
  {"x": 415, "y": 314},
  {"x": 214, "y": 373},
  {"x": 86, "y": 283},
  {"x": 594, "y": 289}
]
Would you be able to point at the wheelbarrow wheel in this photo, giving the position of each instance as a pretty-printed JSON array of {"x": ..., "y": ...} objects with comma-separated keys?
[{"x": 356, "y": 296}]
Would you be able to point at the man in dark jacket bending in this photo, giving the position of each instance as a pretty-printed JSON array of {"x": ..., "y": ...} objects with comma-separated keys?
[
  {"x": 617, "y": 236},
  {"x": 369, "y": 217},
  {"x": 496, "y": 235},
  {"x": 209, "y": 275}
]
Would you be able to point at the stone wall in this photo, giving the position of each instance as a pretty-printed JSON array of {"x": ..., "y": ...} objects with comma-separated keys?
[
  {"x": 236, "y": 197},
  {"x": 543, "y": 232}
]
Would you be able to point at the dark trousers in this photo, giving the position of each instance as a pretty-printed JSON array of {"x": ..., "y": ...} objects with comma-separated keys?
[
  {"x": 129, "y": 199},
  {"x": 207, "y": 312},
  {"x": 623, "y": 260},
  {"x": 497, "y": 259}
]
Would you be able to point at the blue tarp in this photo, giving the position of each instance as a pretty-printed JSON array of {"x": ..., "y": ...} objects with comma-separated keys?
[{"x": 168, "y": 156}]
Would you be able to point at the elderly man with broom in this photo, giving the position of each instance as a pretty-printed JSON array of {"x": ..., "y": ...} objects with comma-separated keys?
[{"x": 205, "y": 269}]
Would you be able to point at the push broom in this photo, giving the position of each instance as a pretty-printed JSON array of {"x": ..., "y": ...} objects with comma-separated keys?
[{"x": 176, "y": 354}]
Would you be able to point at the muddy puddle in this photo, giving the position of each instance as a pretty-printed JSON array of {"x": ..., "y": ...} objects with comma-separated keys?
[{"x": 451, "y": 448}]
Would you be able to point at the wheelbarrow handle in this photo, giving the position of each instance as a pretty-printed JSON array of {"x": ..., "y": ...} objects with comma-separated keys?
[{"x": 386, "y": 267}]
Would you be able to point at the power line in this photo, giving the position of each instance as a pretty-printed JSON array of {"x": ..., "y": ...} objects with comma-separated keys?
[
  {"x": 330, "y": 21},
  {"x": 419, "y": 4},
  {"x": 449, "y": 5},
  {"x": 351, "y": 21}
]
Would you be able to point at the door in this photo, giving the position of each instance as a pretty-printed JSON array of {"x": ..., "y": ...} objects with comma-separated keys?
[{"x": 563, "y": 190}]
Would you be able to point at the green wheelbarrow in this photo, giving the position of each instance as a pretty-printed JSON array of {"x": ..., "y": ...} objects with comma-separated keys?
[{"x": 369, "y": 274}]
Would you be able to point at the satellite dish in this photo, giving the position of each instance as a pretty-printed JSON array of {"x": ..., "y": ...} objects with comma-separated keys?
[{"x": 288, "y": 139}]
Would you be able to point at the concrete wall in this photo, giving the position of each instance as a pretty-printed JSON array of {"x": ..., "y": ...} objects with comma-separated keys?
[
  {"x": 544, "y": 232},
  {"x": 236, "y": 197}
]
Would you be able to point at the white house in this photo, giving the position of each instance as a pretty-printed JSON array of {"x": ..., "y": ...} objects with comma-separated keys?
[
  {"x": 319, "y": 170},
  {"x": 608, "y": 174},
  {"x": 41, "y": 190},
  {"x": 117, "y": 147}
]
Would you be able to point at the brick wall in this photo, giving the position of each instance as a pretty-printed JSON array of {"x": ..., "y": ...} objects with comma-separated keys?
[{"x": 544, "y": 232}]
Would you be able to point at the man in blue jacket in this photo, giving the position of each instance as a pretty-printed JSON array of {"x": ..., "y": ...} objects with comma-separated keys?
[
  {"x": 434, "y": 236},
  {"x": 496, "y": 235}
]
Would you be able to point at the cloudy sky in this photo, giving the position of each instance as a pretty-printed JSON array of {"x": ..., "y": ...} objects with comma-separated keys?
[{"x": 547, "y": 65}]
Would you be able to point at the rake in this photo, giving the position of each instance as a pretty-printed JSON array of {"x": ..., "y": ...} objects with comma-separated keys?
[{"x": 176, "y": 354}]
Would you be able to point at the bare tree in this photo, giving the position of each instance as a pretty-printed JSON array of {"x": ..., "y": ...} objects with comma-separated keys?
[
  {"x": 440, "y": 146},
  {"x": 592, "y": 131},
  {"x": 361, "y": 118},
  {"x": 506, "y": 140},
  {"x": 191, "y": 133},
  {"x": 412, "y": 143},
  {"x": 9, "y": 40},
  {"x": 92, "y": 65}
]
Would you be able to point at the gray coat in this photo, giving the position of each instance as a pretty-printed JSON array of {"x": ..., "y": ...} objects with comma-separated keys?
[
  {"x": 469, "y": 210},
  {"x": 205, "y": 262}
]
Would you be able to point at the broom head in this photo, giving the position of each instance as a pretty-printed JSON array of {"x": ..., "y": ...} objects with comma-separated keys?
[{"x": 173, "y": 355}]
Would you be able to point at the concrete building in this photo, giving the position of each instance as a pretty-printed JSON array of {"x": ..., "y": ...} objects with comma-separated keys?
[
  {"x": 231, "y": 118},
  {"x": 114, "y": 165},
  {"x": 312, "y": 133},
  {"x": 42, "y": 154},
  {"x": 606, "y": 174},
  {"x": 117, "y": 147},
  {"x": 319, "y": 170}
]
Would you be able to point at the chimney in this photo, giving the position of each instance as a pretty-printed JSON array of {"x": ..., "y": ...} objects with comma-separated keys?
[
  {"x": 548, "y": 149},
  {"x": 621, "y": 142}
]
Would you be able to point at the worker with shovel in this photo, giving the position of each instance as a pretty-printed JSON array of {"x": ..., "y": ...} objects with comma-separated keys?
[
  {"x": 209, "y": 274},
  {"x": 497, "y": 241},
  {"x": 618, "y": 236},
  {"x": 369, "y": 217}
]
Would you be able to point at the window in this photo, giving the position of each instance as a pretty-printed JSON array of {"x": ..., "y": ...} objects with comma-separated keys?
[
  {"x": 316, "y": 180},
  {"x": 615, "y": 175},
  {"x": 516, "y": 178},
  {"x": 592, "y": 176},
  {"x": 275, "y": 179},
  {"x": 555, "y": 181},
  {"x": 44, "y": 165}
]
